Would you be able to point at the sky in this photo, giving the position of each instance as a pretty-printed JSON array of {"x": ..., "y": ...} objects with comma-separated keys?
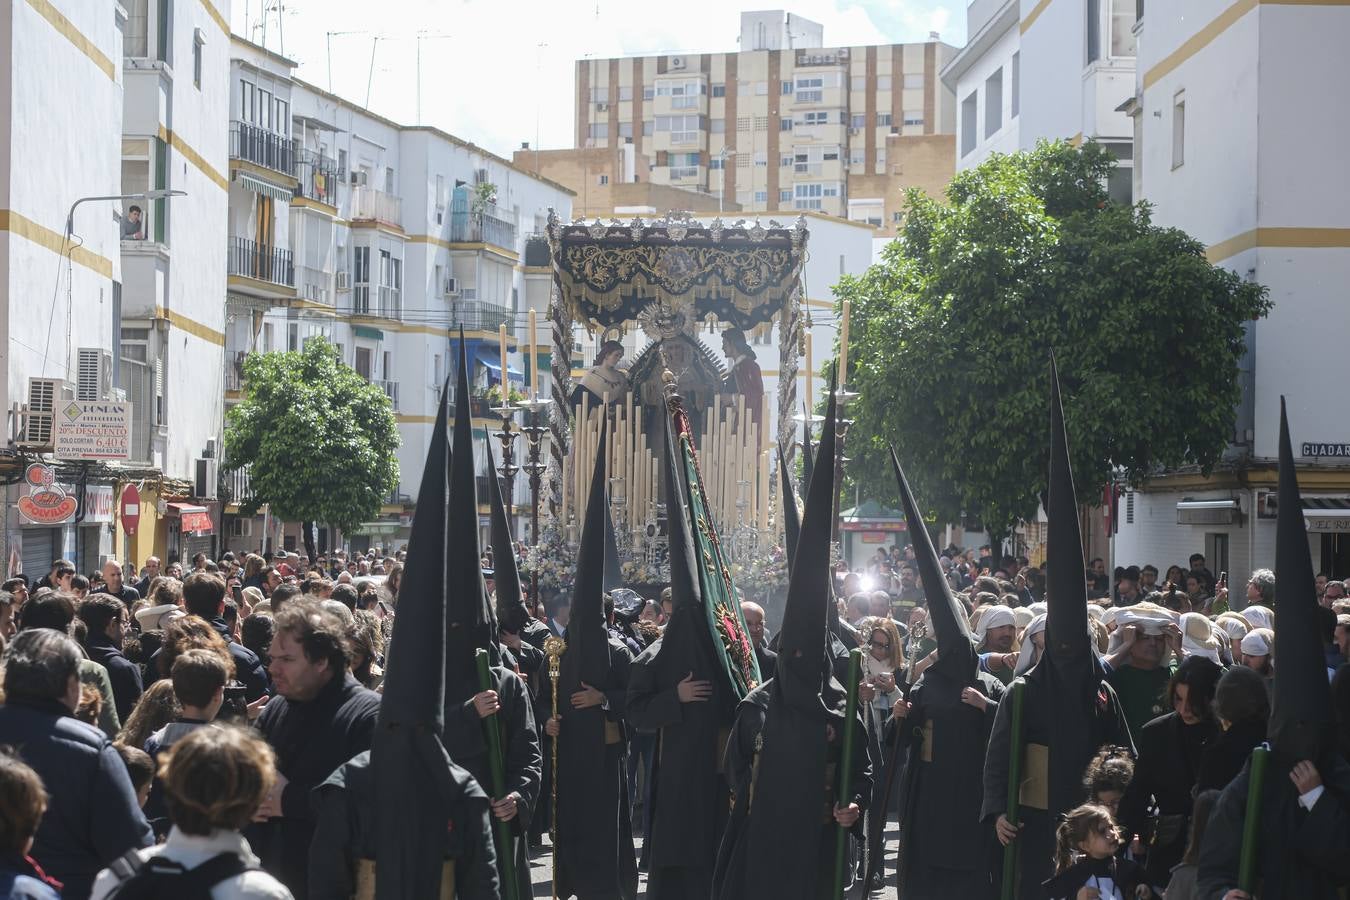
[{"x": 499, "y": 72}]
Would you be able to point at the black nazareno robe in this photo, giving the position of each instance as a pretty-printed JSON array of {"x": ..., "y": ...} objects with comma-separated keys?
[
  {"x": 467, "y": 745},
  {"x": 945, "y": 850},
  {"x": 596, "y": 859},
  {"x": 1036, "y": 842},
  {"x": 1303, "y": 855},
  {"x": 690, "y": 805},
  {"x": 344, "y": 836},
  {"x": 733, "y": 878}
]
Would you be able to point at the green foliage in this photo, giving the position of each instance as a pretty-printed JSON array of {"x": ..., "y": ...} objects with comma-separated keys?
[
  {"x": 320, "y": 438},
  {"x": 952, "y": 333}
]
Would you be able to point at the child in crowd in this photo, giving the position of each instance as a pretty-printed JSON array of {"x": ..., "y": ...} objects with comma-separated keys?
[
  {"x": 1086, "y": 867},
  {"x": 140, "y": 767},
  {"x": 23, "y": 800},
  {"x": 1183, "y": 885},
  {"x": 1107, "y": 777},
  {"x": 198, "y": 679},
  {"x": 214, "y": 781}
]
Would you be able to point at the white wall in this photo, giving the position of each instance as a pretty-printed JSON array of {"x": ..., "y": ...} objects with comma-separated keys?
[
  {"x": 54, "y": 151},
  {"x": 1005, "y": 140}
]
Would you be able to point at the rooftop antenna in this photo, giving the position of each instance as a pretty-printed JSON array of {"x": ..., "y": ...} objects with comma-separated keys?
[{"x": 331, "y": 35}]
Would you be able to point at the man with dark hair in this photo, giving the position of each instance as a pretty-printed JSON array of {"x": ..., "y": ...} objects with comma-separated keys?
[
  {"x": 106, "y": 618},
  {"x": 16, "y": 587},
  {"x": 204, "y": 595},
  {"x": 283, "y": 594},
  {"x": 8, "y": 626},
  {"x": 93, "y": 816},
  {"x": 56, "y": 612},
  {"x": 346, "y": 595},
  {"x": 1148, "y": 579},
  {"x": 321, "y": 718},
  {"x": 49, "y": 580},
  {"x": 255, "y": 633}
]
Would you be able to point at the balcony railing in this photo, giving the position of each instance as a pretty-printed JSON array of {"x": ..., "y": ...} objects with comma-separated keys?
[
  {"x": 479, "y": 315},
  {"x": 234, "y": 370},
  {"x": 253, "y": 260},
  {"x": 314, "y": 284},
  {"x": 375, "y": 300},
  {"x": 318, "y": 176},
  {"x": 391, "y": 302},
  {"x": 390, "y": 389},
  {"x": 237, "y": 483},
  {"x": 370, "y": 205},
  {"x": 261, "y": 147},
  {"x": 493, "y": 225}
]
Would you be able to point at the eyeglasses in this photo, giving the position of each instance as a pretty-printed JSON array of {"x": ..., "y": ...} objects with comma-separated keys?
[{"x": 881, "y": 645}]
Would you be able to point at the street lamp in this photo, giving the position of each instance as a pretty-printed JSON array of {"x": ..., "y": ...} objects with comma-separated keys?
[
  {"x": 724, "y": 154},
  {"x": 143, "y": 195}
]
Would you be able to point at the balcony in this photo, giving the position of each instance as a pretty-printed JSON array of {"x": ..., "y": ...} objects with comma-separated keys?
[
  {"x": 375, "y": 300},
  {"x": 479, "y": 315},
  {"x": 237, "y": 485},
  {"x": 390, "y": 389},
  {"x": 234, "y": 370},
  {"x": 249, "y": 259},
  {"x": 319, "y": 177},
  {"x": 262, "y": 148},
  {"x": 492, "y": 225},
  {"x": 370, "y": 205}
]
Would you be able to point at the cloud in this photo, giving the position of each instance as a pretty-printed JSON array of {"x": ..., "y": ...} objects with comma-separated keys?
[{"x": 499, "y": 72}]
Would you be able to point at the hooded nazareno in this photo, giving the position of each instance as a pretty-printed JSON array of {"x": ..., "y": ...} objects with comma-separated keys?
[
  {"x": 595, "y": 845},
  {"x": 784, "y": 828},
  {"x": 947, "y": 849},
  {"x": 417, "y": 787},
  {"x": 1069, "y": 711}
]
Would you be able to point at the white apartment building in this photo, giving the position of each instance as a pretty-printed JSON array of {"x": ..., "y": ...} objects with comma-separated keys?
[
  {"x": 172, "y": 335},
  {"x": 1045, "y": 69},
  {"x": 110, "y": 106},
  {"x": 1236, "y": 146},
  {"x": 378, "y": 237}
]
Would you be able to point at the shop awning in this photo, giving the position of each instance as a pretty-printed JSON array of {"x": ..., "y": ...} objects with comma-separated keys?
[
  {"x": 871, "y": 516},
  {"x": 191, "y": 518},
  {"x": 492, "y": 361},
  {"x": 1222, "y": 511},
  {"x": 258, "y": 186}
]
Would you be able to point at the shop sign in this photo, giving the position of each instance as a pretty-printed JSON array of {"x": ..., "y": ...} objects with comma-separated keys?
[
  {"x": 197, "y": 519},
  {"x": 98, "y": 504},
  {"x": 1314, "y": 450},
  {"x": 44, "y": 501},
  {"x": 93, "y": 429}
]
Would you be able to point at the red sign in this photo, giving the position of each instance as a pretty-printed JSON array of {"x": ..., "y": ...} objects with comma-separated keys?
[
  {"x": 47, "y": 502},
  {"x": 130, "y": 509},
  {"x": 198, "y": 520}
]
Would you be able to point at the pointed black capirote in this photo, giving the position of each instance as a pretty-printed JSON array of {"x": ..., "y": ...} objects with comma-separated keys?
[
  {"x": 408, "y": 755},
  {"x": 792, "y": 517},
  {"x": 510, "y": 607},
  {"x": 956, "y": 653},
  {"x": 471, "y": 622},
  {"x": 810, "y": 591},
  {"x": 1066, "y": 626},
  {"x": 587, "y": 656},
  {"x": 1301, "y": 710},
  {"x": 684, "y": 584}
]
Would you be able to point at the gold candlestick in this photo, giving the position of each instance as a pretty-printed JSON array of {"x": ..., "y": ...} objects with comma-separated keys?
[{"x": 554, "y": 647}]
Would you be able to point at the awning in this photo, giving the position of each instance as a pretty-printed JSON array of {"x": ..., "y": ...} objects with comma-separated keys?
[
  {"x": 492, "y": 361},
  {"x": 266, "y": 189},
  {"x": 872, "y": 516},
  {"x": 191, "y": 518},
  {"x": 378, "y": 529},
  {"x": 364, "y": 331}
]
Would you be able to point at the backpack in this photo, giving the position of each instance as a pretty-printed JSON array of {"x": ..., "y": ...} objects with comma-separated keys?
[{"x": 158, "y": 878}]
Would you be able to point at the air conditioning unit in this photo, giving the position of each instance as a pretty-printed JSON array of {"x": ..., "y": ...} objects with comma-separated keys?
[
  {"x": 344, "y": 281},
  {"x": 39, "y": 422},
  {"x": 241, "y": 527},
  {"x": 843, "y": 53},
  {"x": 677, "y": 62},
  {"x": 359, "y": 177},
  {"x": 93, "y": 374},
  {"x": 602, "y": 107},
  {"x": 452, "y": 287},
  {"x": 207, "y": 478}
]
